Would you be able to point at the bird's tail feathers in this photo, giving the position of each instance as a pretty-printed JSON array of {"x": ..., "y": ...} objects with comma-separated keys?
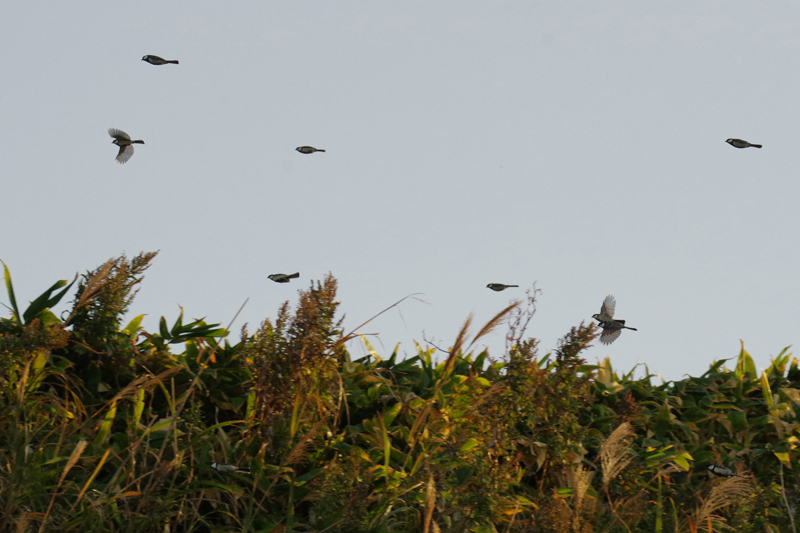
[
  {"x": 318, "y": 150},
  {"x": 628, "y": 327},
  {"x": 513, "y": 285},
  {"x": 293, "y": 276},
  {"x": 756, "y": 145},
  {"x": 173, "y": 62}
]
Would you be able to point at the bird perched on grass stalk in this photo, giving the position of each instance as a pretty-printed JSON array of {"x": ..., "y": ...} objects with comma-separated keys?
[
  {"x": 499, "y": 286},
  {"x": 155, "y": 60},
  {"x": 612, "y": 329},
  {"x": 308, "y": 149},
  {"x": 283, "y": 278},
  {"x": 722, "y": 471},
  {"x": 123, "y": 140},
  {"x": 227, "y": 468},
  {"x": 738, "y": 143}
]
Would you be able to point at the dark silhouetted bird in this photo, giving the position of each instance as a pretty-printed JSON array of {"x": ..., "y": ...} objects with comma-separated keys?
[
  {"x": 308, "y": 149},
  {"x": 612, "y": 329},
  {"x": 738, "y": 143},
  {"x": 722, "y": 471},
  {"x": 499, "y": 286},
  {"x": 283, "y": 278},
  {"x": 227, "y": 468},
  {"x": 123, "y": 140},
  {"x": 155, "y": 60}
]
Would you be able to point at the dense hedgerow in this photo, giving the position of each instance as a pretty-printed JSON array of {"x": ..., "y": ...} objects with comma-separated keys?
[{"x": 107, "y": 427}]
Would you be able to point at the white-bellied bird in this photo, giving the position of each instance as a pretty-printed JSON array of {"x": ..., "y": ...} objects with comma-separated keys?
[
  {"x": 612, "y": 329},
  {"x": 123, "y": 140},
  {"x": 722, "y": 471}
]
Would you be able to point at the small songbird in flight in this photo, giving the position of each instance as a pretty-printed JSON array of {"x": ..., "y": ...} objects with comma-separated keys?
[
  {"x": 499, "y": 286},
  {"x": 308, "y": 149},
  {"x": 722, "y": 471},
  {"x": 155, "y": 60},
  {"x": 123, "y": 140},
  {"x": 612, "y": 329},
  {"x": 738, "y": 143},
  {"x": 228, "y": 468},
  {"x": 283, "y": 278}
]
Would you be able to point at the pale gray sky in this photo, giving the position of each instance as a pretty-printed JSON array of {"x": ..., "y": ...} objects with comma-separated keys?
[{"x": 576, "y": 144}]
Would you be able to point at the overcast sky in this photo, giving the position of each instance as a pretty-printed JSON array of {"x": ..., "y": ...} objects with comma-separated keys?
[{"x": 578, "y": 145}]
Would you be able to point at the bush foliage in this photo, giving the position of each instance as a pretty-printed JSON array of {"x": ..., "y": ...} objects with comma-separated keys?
[{"x": 107, "y": 427}]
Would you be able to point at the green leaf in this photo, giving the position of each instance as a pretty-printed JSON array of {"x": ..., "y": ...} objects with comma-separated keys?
[
  {"x": 308, "y": 476},
  {"x": 45, "y": 301},
  {"x": 105, "y": 426},
  {"x": 468, "y": 444},
  {"x": 391, "y": 414},
  {"x": 766, "y": 390},
  {"x": 745, "y": 365},
  {"x": 11, "y": 298},
  {"x": 784, "y": 458},
  {"x": 176, "y": 329},
  {"x": 663, "y": 419},
  {"x": 133, "y": 327},
  {"x": 162, "y": 327}
]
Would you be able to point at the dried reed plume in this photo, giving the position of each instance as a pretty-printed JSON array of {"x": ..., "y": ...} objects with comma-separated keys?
[
  {"x": 93, "y": 286},
  {"x": 722, "y": 495},
  {"x": 615, "y": 452}
]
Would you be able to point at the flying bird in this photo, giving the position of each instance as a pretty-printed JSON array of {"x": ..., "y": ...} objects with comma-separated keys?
[
  {"x": 123, "y": 140},
  {"x": 738, "y": 143},
  {"x": 612, "y": 329},
  {"x": 283, "y": 278},
  {"x": 722, "y": 471},
  {"x": 155, "y": 60},
  {"x": 308, "y": 149},
  {"x": 499, "y": 286},
  {"x": 228, "y": 468}
]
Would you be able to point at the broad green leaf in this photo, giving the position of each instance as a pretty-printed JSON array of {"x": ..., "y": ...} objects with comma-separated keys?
[
  {"x": 163, "y": 329},
  {"x": 391, "y": 414},
  {"x": 138, "y": 407},
  {"x": 783, "y": 457},
  {"x": 468, "y": 444},
  {"x": 745, "y": 365},
  {"x": 45, "y": 301},
  {"x": 11, "y": 298},
  {"x": 371, "y": 350},
  {"x": 105, "y": 426},
  {"x": 308, "y": 476},
  {"x": 133, "y": 327},
  {"x": 766, "y": 390}
]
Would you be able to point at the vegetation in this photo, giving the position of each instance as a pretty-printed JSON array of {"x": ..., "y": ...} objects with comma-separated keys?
[{"x": 107, "y": 427}]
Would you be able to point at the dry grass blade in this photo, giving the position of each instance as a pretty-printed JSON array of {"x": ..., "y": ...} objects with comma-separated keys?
[
  {"x": 93, "y": 287},
  {"x": 73, "y": 458},
  {"x": 462, "y": 335},
  {"x": 615, "y": 452},
  {"x": 430, "y": 504},
  {"x": 298, "y": 452},
  {"x": 496, "y": 321},
  {"x": 353, "y": 333}
]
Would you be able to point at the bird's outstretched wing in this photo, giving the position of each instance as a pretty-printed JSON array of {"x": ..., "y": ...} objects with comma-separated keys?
[
  {"x": 125, "y": 153},
  {"x": 609, "y": 304},
  {"x": 608, "y": 336},
  {"x": 119, "y": 134}
]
